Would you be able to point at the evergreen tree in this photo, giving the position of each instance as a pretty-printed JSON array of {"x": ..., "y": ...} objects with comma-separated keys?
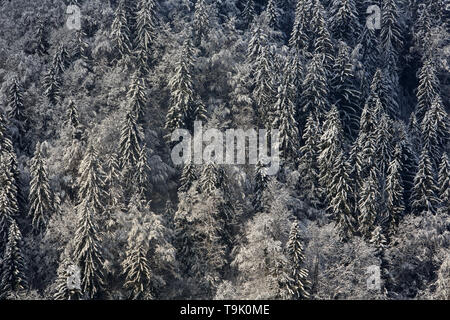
[
  {"x": 428, "y": 88},
  {"x": 340, "y": 197},
  {"x": 368, "y": 204},
  {"x": 391, "y": 32},
  {"x": 41, "y": 197},
  {"x": 136, "y": 266},
  {"x": 14, "y": 277},
  {"x": 300, "y": 36},
  {"x": 300, "y": 284},
  {"x": 82, "y": 50},
  {"x": 308, "y": 163},
  {"x": 264, "y": 92},
  {"x": 330, "y": 147},
  {"x": 344, "y": 24},
  {"x": 16, "y": 112},
  {"x": 188, "y": 176},
  {"x": 322, "y": 42},
  {"x": 384, "y": 144},
  {"x": 285, "y": 120},
  {"x": 87, "y": 250},
  {"x": 272, "y": 14},
  {"x": 73, "y": 121},
  {"x": 52, "y": 86},
  {"x": 346, "y": 95},
  {"x": 370, "y": 48},
  {"x": 137, "y": 97},
  {"x": 209, "y": 178},
  {"x": 380, "y": 88},
  {"x": 91, "y": 182},
  {"x": 184, "y": 108},
  {"x": 60, "y": 60},
  {"x": 141, "y": 174},
  {"x": 131, "y": 138},
  {"x": 41, "y": 37},
  {"x": 146, "y": 21},
  {"x": 248, "y": 12},
  {"x": 315, "y": 93},
  {"x": 435, "y": 131},
  {"x": 444, "y": 182},
  {"x": 395, "y": 191},
  {"x": 425, "y": 190},
  {"x": 120, "y": 31},
  {"x": 201, "y": 25}
]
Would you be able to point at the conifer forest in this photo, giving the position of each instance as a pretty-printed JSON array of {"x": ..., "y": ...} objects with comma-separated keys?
[{"x": 353, "y": 96}]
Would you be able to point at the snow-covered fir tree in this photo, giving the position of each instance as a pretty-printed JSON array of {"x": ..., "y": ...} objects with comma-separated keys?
[
  {"x": 369, "y": 204},
  {"x": 344, "y": 22},
  {"x": 300, "y": 283},
  {"x": 14, "y": 270},
  {"x": 41, "y": 197},
  {"x": 120, "y": 31},
  {"x": 444, "y": 182},
  {"x": 395, "y": 191},
  {"x": 17, "y": 112},
  {"x": 146, "y": 25},
  {"x": 427, "y": 89},
  {"x": 52, "y": 85},
  {"x": 424, "y": 196},
  {"x": 91, "y": 181}
]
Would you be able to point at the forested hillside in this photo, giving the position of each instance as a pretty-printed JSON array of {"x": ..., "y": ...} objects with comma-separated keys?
[{"x": 93, "y": 207}]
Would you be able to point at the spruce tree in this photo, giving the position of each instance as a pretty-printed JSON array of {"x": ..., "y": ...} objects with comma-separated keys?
[
  {"x": 52, "y": 86},
  {"x": 184, "y": 108},
  {"x": 248, "y": 12},
  {"x": 40, "y": 197},
  {"x": 87, "y": 250},
  {"x": 141, "y": 175},
  {"x": 137, "y": 97},
  {"x": 428, "y": 88},
  {"x": 344, "y": 24},
  {"x": 16, "y": 112},
  {"x": 340, "y": 197},
  {"x": 13, "y": 279},
  {"x": 370, "y": 48},
  {"x": 41, "y": 37},
  {"x": 308, "y": 163},
  {"x": 272, "y": 14},
  {"x": 299, "y": 285},
  {"x": 146, "y": 21},
  {"x": 91, "y": 182},
  {"x": 300, "y": 36},
  {"x": 68, "y": 280},
  {"x": 188, "y": 176},
  {"x": 330, "y": 147},
  {"x": 424, "y": 195},
  {"x": 444, "y": 182},
  {"x": 120, "y": 31},
  {"x": 285, "y": 120},
  {"x": 322, "y": 42},
  {"x": 131, "y": 137},
  {"x": 136, "y": 266},
  {"x": 82, "y": 50},
  {"x": 395, "y": 191},
  {"x": 346, "y": 95},
  {"x": 60, "y": 60},
  {"x": 209, "y": 178},
  {"x": 435, "y": 131},
  {"x": 368, "y": 204},
  {"x": 315, "y": 94},
  {"x": 201, "y": 25},
  {"x": 391, "y": 32}
]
